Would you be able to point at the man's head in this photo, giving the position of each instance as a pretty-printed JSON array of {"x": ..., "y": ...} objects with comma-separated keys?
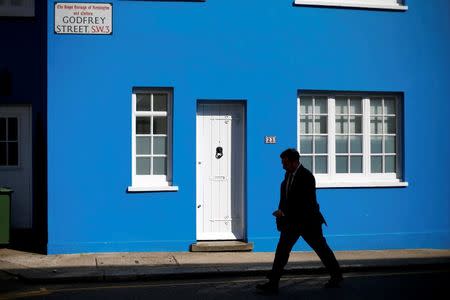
[{"x": 290, "y": 159}]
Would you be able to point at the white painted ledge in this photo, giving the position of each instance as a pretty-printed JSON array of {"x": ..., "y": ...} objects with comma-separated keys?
[
  {"x": 373, "y": 184},
  {"x": 140, "y": 189},
  {"x": 355, "y": 4}
]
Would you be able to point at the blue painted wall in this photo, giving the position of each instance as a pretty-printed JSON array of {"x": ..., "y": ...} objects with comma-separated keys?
[{"x": 263, "y": 51}]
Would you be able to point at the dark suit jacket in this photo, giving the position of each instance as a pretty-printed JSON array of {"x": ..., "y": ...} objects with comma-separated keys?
[{"x": 300, "y": 207}]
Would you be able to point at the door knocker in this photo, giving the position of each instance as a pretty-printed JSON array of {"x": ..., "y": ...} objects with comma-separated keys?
[{"x": 219, "y": 152}]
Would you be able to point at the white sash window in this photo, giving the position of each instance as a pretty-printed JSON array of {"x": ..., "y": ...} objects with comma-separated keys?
[
  {"x": 151, "y": 140},
  {"x": 351, "y": 139},
  {"x": 374, "y": 4},
  {"x": 9, "y": 142}
]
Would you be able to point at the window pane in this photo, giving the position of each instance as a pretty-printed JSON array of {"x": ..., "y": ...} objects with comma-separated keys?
[
  {"x": 143, "y": 145},
  {"x": 307, "y": 162},
  {"x": 320, "y": 105},
  {"x": 376, "y": 125},
  {"x": 355, "y": 144},
  {"x": 320, "y": 125},
  {"x": 143, "y": 102},
  {"x": 159, "y": 145},
  {"x": 306, "y": 105},
  {"x": 376, "y": 164},
  {"x": 389, "y": 106},
  {"x": 341, "y": 105},
  {"x": 356, "y": 164},
  {"x": 2, "y": 129},
  {"x": 306, "y": 144},
  {"x": 160, "y": 102},
  {"x": 341, "y": 144},
  {"x": 389, "y": 144},
  {"x": 320, "y": 144},
  {"x": 143, "y": 165},
  {"x": 389, "y": 125},
  {"x": 321, "y": 164},
  {"x": 143, "y": 125},
  {"x": 389, "y": 164},
  {"x": 376, "y": 144},
  {"x": 376, "y": 107},
  {"x": 355, "y": 105},
  {"x": 159, "y": 125},
  {"x": 341, "y": 124},
  {"x": 356, "y": 124},
  {"x": 12, "y": 129},
  {"x": 159, "y": 166},
  {"x": 2, "y": 154},
  {"x": 341, "y": 164},
  {"x": 13, "y": 153},
  {"x": 306, "y": 125}
]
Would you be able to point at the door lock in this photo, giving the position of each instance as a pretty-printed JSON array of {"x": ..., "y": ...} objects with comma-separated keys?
[{"x": 219, "y": 152}]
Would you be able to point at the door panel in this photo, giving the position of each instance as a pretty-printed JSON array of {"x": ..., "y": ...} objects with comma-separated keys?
[{"x": 220, "y": 169}]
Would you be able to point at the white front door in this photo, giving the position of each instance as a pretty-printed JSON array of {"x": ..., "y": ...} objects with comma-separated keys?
[
  {"x": 220, "y": 201},
  {"x": 16, "y": 162}
]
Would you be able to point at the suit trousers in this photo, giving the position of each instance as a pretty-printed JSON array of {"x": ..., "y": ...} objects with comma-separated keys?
[{"x": 315, "y": 239}]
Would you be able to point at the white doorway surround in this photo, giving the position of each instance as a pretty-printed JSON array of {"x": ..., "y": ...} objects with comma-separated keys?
[
  {"x": 16, "y": 162},
  {"x": 221, "y": 161}
]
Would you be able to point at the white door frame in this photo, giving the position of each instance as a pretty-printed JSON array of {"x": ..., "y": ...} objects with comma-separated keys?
[{"x": 237, "y": 180}]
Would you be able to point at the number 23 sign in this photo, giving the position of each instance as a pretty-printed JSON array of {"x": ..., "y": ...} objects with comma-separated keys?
[{"x": 270, "y": 139}]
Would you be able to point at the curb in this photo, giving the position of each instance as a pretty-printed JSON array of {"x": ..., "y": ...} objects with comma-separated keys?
[{"x": 215, "y": 272}]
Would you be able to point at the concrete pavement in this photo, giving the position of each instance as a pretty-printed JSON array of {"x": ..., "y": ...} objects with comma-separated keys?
[{"x": 162, "y": 265}]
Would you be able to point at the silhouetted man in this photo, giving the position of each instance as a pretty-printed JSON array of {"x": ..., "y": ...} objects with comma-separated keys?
[{"x": 298, "y": 215}]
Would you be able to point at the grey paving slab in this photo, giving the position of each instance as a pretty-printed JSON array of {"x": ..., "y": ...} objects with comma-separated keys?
[
  {"x": 135, "y": 259},
  {"x": 190, "y": 258},
  {"x": 33, "y": 260}
]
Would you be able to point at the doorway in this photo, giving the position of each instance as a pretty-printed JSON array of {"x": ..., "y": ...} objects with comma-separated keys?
[
  {"x": 16, "y": 162},
  {"x": 221, "y": 161}
]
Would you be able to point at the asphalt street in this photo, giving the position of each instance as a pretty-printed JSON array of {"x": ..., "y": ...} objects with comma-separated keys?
[{"x": 393, "y": 284}]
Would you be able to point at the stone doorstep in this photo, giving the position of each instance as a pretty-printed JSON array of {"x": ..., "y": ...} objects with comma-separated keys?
[{"x": 221, "y": 246}]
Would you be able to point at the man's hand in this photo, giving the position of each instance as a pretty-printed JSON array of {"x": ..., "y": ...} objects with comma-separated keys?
[{"x": 278, "y": 213}]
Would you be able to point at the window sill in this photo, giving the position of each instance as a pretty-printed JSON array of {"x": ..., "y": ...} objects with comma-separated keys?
[
  {"x": 140, "y": 189},
  {"x": 361, "y": 4},
  {"x": 349, "y": 184}
]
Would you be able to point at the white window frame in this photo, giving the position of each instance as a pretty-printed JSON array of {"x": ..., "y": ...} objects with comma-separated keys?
[
  {"x": 371, "y": 4},
  {"x": 150, "y": 183},
  {"x": 25, "y": 10},
  {"x": 365, "y": 179}
]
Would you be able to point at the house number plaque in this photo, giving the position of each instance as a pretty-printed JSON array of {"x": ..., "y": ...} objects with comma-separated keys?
[{"x": 270, "y": 139}]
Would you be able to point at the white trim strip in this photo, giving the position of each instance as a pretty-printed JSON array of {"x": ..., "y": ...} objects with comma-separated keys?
[
  {"x": 132, "y": 189},
  {"x": 360, "y": 4},
  {"x": 333, "y": 184}
]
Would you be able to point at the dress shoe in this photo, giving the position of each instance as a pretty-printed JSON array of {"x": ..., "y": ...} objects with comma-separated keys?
[
  {"x": 267, "y": 288},
  {"x": 334, "y": 282}
]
